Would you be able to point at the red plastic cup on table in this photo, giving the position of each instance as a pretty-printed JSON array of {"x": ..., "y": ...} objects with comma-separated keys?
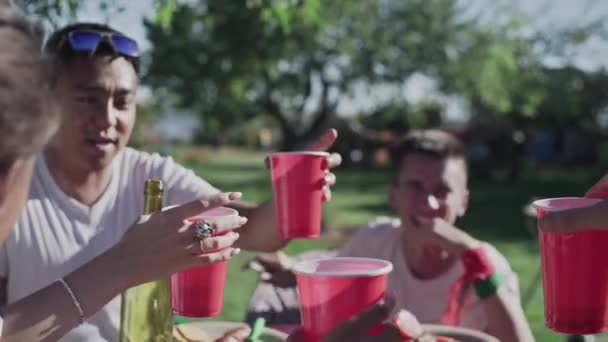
[
  {"x": 199, "y": 291},
  {"x": 575, "y": 273},
  {"x": 297, "y": 186},
  {"x": 333, "y": 290}
]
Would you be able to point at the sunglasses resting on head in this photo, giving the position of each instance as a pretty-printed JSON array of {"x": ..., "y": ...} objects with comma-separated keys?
[{"x": 89, "y": 41}]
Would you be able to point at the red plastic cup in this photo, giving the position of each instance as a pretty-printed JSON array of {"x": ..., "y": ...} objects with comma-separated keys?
[
  {"x": 297, "y": 184},
  {"x": 199, "y": 291},
  {"x": 333, "y": 290},
  {"x": 575, "y": 273}
]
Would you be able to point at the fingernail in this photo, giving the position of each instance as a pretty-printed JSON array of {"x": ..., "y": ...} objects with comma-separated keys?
[
  {"x": 236, "y": 195},
  {"x": 243, "y": 220},
  {"x": 205, "y": 203},
  {"x": 235, "y": 236},
  {"x": 236, "y": 251}
]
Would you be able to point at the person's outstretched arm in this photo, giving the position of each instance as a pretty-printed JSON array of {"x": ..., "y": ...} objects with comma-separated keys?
[
  {"x": 155, "y": 247},
  {"x": 260, "y": 233}
]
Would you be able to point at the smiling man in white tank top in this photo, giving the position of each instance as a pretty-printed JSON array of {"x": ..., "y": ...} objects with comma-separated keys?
[{"x": 430, "y": 254}]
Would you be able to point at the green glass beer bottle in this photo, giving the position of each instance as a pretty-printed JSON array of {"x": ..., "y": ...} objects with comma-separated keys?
[{"x": 145, "y": 309}]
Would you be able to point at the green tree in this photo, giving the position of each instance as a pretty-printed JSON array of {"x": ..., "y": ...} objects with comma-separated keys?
[
  {"x": 500, "y": 68},
  {"x": 293, "y": 60}
]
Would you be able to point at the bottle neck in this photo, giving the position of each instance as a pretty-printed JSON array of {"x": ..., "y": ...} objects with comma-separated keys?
[{"x": 152, "y": 203}]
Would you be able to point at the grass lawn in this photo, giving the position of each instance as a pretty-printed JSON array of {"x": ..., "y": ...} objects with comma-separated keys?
[{"x": 495, "y": 215}]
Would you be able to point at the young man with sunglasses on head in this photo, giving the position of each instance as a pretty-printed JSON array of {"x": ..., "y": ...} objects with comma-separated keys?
[
  {"x": 28, "y": 118},
  {"x": 87, "y": 187}
]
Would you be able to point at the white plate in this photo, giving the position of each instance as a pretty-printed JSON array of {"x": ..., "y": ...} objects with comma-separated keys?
[
  {"x": 212, "y": 330},
  {"x": 461, "y": 334}
]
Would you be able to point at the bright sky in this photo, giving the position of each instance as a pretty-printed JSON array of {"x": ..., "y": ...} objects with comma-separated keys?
[
  {"x": 548, "y": 15},
  {"x": 538, "y": 14}
]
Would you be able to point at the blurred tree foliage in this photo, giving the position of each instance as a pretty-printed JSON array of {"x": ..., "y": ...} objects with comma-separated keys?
[{"x": 295, "y": 60}]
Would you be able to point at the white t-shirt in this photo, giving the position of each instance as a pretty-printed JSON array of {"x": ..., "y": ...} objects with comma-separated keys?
[
  {"x": 426, "y": 299},
  {"x": 57, "y": 234}
]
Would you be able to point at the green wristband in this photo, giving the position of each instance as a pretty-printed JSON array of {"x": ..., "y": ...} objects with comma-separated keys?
[{"x": 488, "y": 287}]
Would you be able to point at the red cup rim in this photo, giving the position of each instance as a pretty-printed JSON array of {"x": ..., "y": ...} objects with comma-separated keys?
[
  {"x": 307, "y": 268},
  {"x": 310, "y": 153},
  {"x": 221, "y": 212},
  {"x": 228, "y": 212},
  {"x": 545, "y": 202}
]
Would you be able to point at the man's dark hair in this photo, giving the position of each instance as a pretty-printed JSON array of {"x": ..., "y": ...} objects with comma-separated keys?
[
  {"x": 28, "y": 117},
  {"x": 435, "y": 143},
  {"x": 61, "y": 53}
]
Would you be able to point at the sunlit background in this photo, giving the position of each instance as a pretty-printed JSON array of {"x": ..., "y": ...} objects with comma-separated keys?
[{"x": 523, "y": 83}]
